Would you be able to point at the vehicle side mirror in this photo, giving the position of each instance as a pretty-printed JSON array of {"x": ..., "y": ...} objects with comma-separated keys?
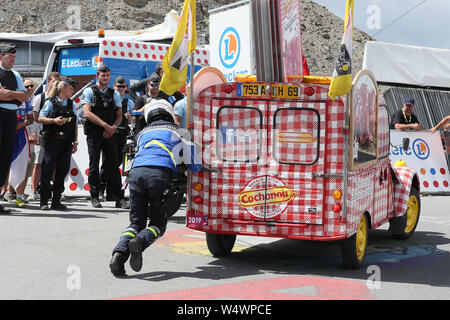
[{"x": 405, "y": 144}]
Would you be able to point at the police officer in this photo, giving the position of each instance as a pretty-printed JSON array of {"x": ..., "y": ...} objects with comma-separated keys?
[
  {"x": 60, "y": 133},
  {"x": 102, "y": 108},
  {"x": 160, "y": 147},
  {"x": 12, "y": 95},
  {"x": 120, "y": 85}
]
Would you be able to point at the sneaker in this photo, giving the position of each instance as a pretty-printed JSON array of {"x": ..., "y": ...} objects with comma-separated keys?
[
  {"x": 122, "y": 203},
  {"x": 136, "y": 247},
  {"x": 32, "y": 197},
  {"x": 96, "y": 203},
  {"x": 20, "y": 203},
  {"x": 9, "y": 196},
  {"x": 45, "y": 207}
]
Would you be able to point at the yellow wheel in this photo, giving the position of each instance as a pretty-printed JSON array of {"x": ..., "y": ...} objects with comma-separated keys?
[
  {"x": 353, "y": 249},
  {"x": 412, "y": 213},
  {"x": 404, "y": 226}
]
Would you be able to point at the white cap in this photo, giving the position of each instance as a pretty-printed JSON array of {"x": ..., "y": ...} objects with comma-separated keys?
[{"x": 159, "y": 104}]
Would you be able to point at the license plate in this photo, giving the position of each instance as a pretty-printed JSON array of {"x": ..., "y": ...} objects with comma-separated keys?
[
  {"x": 285, "y": 91},
  {"x": 251, "y": 90}
]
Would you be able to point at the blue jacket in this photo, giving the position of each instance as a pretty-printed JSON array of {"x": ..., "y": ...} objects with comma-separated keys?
[{"x": 161, "y": 144}]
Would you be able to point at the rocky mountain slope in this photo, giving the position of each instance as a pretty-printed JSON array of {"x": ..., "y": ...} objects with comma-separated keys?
[{"x": 322, "y": 30}]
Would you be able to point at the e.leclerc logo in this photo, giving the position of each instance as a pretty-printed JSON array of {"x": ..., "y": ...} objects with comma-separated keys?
[
  {"x": 229, "y": 47},
  {"x": 421, "y": 149}
]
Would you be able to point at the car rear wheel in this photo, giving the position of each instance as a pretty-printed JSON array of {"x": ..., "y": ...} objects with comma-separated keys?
[
  {"x": 353, "y": 249},
  {"x": 220, "y": 245}
]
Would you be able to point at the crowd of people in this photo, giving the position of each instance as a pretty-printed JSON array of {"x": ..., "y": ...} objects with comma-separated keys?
[{"x": 39, "y": 134}]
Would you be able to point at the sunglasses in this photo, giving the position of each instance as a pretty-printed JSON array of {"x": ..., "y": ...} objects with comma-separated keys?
[
  {"x": 29, "y": 86},
  {"x": 154, "y": 85},
  {"x": 121, "y": 86}
]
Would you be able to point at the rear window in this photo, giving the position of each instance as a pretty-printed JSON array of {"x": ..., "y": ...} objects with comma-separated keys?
[
  {"x": 238, "y": 134},
  {"x": 296, "y": 136}
]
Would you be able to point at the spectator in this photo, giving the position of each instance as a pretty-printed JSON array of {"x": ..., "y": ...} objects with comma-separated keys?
[
  {"x": 152, "y": 93},
  {"x": 12, "y": 95},
  {"x": 22, "y": 151},
  {"x": 405, "y": 119},
  {"x": 446, "y": 120},
  {"x": 180, "y": 110},
  {"x": 142, "y": 85}
]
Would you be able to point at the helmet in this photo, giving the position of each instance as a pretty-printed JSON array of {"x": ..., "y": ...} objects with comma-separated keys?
[{"x": 159, "y": 109}]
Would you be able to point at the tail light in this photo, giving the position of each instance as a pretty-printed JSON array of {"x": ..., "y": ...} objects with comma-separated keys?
[
  {"x": 198, "y": 186},
  {"x": 198, "y": 200},
  {"x": 337, "y": 194},
  {"x": 309, "y": 91}
]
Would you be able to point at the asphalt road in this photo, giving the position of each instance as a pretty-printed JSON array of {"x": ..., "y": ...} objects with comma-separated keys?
[{"x": 65, "y": 256}]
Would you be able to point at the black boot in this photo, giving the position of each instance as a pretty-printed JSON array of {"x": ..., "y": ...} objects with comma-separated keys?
[
  {"x": 117, "y": 264},
  {"x": 136, "y": 246},
  {"x": 57, "y": 205}
]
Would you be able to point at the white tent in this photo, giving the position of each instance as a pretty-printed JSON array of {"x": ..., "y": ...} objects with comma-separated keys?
[{"x": 408, "y": 65}]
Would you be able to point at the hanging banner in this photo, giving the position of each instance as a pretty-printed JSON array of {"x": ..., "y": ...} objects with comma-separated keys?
[
  {"x": 291, "y": 40},
  {"x": 230, "y": 41},
  {"x": 425, "y": 155}
]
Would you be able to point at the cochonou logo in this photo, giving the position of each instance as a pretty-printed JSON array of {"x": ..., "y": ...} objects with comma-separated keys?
[
  {"x": 266, "y": 197},
  {"x": 229, "y": 47}
]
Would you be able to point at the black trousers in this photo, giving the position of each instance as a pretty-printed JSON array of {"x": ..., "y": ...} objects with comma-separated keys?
[
  {"x": 8, "y": 123},
  {"x": 121, "y": 139},
  {"x": 57, "y": 155},
  {"x": 147, "y": 185},
  {"x": 108, "y": 146}
]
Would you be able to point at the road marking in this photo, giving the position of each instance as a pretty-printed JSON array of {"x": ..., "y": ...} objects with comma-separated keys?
[
  {"x": 190, "y": 242},
  {"x": 280, "y": 288}
]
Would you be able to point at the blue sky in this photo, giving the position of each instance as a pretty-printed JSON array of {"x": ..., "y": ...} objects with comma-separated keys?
[{"x": 428, "y": 25}]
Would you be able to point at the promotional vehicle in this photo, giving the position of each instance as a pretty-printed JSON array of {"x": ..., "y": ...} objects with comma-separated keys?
[{"x": 283, "y": 160}]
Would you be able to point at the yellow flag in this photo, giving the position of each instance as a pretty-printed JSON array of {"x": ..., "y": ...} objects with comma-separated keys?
[
  {"x": 342, "y": 74},
  {"x": 176, "y": 60}
]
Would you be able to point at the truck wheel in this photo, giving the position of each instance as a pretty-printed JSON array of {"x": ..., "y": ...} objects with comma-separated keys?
[
  {"x": 220, "y": 245},
  {"x": 353, "y": 249},
  {"x": 403, "y": 227}
]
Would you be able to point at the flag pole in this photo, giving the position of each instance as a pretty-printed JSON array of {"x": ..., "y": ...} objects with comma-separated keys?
[{"x": 191, "y": 89}]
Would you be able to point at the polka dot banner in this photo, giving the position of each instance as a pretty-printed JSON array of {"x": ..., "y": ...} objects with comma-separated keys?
[
  {"x": 142, "y": 51},
  {"x": 426, "y": 156}
]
